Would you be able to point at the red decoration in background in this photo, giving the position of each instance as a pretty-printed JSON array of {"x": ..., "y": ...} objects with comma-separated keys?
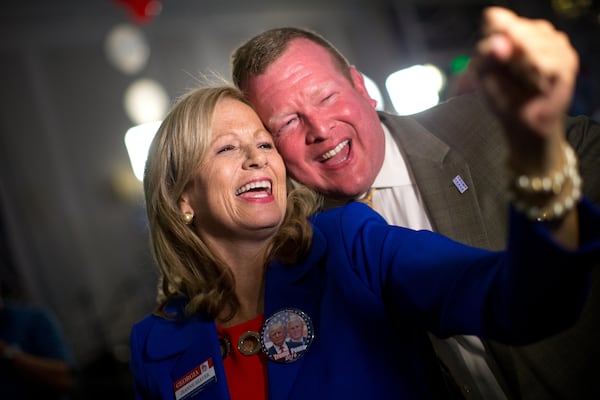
[{"x": 141, "y": 11}]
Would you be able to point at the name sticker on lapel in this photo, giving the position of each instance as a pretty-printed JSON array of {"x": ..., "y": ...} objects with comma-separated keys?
[{"x": 195, "y": 380}]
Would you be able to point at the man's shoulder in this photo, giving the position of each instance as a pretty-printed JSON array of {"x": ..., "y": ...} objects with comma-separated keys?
[
  {"x": 470, "y": 103},
  {"x": 469, "y": 110},
  {"x": 293, "y": 343},
  {"x": 463, "y": 122}
]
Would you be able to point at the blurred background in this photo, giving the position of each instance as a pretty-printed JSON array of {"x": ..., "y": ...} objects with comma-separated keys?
[{"x": 76, "y": 76}]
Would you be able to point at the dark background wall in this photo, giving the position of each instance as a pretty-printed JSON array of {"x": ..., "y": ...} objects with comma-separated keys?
[{"x": 73, "y": 234}]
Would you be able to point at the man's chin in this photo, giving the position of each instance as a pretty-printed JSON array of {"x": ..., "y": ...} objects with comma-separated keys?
[
  {"x": 341, "y": 188},
  {"x": 343, "y": 194}
]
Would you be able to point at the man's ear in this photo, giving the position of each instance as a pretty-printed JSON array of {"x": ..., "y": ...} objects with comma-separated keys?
[{"x": 359, "y": 83}]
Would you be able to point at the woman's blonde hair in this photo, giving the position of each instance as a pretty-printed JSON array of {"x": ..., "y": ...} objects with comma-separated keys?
[{"x": 188, "y": 268}]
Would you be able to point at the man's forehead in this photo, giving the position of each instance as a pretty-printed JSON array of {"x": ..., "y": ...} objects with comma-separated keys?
[{"x": 302, "y": 48}]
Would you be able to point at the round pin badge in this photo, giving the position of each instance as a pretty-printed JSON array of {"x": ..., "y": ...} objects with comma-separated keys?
[{"x": 286, "y": 335}]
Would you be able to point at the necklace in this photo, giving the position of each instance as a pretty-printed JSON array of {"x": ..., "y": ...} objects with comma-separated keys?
[
  {"x": 249, "y": 343},
  {"x": 295, "y": 325},
  {"x": 244, "y": 337},
  {"x": 225, "y": 346}
]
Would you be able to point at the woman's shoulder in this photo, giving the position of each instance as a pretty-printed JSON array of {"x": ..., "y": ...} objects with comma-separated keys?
[
  {"x": 165, "y": 336},
  {"x": 353, "y": 214}
]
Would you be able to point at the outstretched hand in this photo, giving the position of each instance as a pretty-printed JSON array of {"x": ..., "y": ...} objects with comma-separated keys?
[{"x": 527, "y": 70}]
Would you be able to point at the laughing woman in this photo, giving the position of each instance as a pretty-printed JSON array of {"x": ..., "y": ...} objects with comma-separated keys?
[{"x": 238, "y": 255}]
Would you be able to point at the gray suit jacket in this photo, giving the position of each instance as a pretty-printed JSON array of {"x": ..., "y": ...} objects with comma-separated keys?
[{"x": 461, "y": 137}]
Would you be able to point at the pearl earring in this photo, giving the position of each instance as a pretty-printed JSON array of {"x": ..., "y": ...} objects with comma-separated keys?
[{"x": 188, "y": 217}]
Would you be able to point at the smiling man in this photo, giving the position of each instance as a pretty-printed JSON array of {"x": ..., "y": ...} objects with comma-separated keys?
[{"x": 322, "y": 121}]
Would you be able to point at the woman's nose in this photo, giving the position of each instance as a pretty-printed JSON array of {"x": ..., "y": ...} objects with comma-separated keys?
[{"x": 255, "y": 158}]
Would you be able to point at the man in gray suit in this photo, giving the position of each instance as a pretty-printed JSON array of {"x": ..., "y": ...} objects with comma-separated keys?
[{"x": 443, "y": 169}]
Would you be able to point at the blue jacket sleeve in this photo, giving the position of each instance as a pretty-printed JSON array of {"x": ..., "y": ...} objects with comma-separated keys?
[{"x": 530, "y": 291}]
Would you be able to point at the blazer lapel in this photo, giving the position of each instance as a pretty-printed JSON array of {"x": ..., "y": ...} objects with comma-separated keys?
[
  {"x": 189, "y": 343},
  {"x": 202, "y": 347},
  {"x": 298, "y": 286}
]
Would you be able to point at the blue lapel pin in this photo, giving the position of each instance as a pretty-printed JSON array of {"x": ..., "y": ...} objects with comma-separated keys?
[{"x": 460, "y": 184}]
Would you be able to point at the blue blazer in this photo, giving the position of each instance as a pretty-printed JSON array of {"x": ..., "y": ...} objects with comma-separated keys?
[{"x": 372, "y": 292}]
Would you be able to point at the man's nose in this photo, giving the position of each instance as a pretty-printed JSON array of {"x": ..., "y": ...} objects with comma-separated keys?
[{"x": 319, "y": 128}]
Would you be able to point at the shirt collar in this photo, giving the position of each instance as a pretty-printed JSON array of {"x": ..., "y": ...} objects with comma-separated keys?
[{"x": 393, "y": 172}]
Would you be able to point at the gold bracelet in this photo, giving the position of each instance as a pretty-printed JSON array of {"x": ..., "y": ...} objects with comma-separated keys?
[{"x": 547, "y": 198}]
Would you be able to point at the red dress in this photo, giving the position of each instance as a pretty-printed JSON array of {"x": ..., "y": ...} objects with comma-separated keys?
[{"x": 246, "y": 375}]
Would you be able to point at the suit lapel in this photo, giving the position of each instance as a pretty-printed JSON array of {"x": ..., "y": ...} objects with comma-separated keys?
[{"x": 433, "y": 166}]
